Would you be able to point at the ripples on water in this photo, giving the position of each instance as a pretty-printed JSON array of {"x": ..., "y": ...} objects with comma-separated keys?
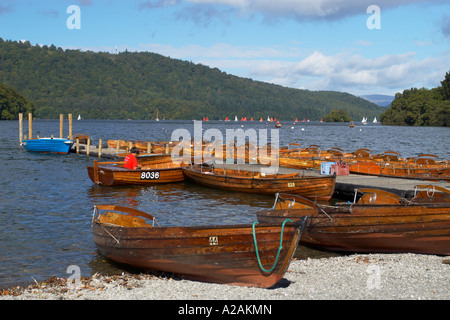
[{"x": 46, "y": 200}]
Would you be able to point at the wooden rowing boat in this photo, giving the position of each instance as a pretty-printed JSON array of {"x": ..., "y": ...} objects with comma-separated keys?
[
  {"x": 309, "y": 184},
  {"x": 389, "y": 164},
  {"x": 248, "y": 255},
  {"x": 157, "y": 147},
  {"x": 150, "y": 173},
  {"x": 379, "y": 222}
]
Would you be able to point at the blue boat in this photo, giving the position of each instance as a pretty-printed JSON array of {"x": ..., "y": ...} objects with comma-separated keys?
[{"x": 48, "y": 145}]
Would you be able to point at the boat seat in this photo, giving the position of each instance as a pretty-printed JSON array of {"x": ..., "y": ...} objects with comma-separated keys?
[
  {"x": 376, "y": 196},
  {"x": 117, "y": 219}
]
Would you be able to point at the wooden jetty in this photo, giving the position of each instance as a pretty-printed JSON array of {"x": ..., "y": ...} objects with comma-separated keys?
[{"x": 345, "y": 184}]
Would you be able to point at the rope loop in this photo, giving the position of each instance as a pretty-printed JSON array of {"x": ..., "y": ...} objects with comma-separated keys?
[{"x": 279, "y": 249}]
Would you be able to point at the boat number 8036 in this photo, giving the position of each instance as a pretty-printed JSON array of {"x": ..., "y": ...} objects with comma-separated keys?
[{"x": 149, "y": 175}]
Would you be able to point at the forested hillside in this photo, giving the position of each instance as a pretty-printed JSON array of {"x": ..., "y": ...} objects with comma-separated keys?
[
  {"x": 12, "y": 103},
  {"x": 421, "y": 107},
  {"x": 137, "y": 84}
]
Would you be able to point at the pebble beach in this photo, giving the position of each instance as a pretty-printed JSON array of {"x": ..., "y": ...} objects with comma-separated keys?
[{"x": 352, "y": 277}]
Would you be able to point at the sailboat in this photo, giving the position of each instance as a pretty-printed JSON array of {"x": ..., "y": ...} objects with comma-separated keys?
[
  {"x": 364, "y": 120},
  {"x": 375, "y": 120},
  {"x": 157, "y": 117},
  {"x": 79, "y": 117}
]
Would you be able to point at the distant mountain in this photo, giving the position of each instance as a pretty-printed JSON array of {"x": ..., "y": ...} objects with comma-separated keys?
[
  {"x": 379, "y": 99},
  {"x": 140, "y": 85}
]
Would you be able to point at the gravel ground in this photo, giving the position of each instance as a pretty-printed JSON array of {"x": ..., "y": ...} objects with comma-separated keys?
[{"x": 354, "y": 277}]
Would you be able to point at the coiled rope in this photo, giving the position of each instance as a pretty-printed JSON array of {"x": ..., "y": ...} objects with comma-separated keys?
[{"x": 279, "y": 249}]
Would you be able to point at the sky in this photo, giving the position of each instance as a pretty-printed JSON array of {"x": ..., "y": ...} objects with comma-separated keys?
[{"x": 356, "y": 46}]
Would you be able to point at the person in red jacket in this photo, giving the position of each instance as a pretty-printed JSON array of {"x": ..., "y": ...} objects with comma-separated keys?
[{"x": 130, "y": 161}]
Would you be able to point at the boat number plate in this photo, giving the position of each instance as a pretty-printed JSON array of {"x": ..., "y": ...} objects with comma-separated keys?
[
  {"x": 213, "y": 241},
  {"x": 291, "y": 184},
  {"x": 149, "y": 175}
]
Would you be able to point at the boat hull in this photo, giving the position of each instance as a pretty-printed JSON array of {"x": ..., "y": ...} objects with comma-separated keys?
[
  {"x": 435, "y": 172},
  {"x": 420, "y": 228},
  {"x": 312, "y": 187},
  {"x": 114, "y": 176},
  {"x": 48, "y": 145},
  {"x": 218, "y": 254}
]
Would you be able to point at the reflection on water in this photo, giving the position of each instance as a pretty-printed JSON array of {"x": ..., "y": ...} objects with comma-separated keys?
[{"x": 47, "y": 200}]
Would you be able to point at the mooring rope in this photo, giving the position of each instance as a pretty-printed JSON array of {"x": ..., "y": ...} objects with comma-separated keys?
[{"x": 279, "y": 249}]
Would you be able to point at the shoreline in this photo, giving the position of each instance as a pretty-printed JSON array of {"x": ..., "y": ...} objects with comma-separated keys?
[{"x": 353, "y": 277}]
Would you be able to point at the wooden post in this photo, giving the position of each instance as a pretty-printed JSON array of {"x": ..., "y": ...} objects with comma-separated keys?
[
  {"x": 99, "y": 148},
  {"x": 118, "y": 146},
  {"x": 30, "y": 125},
  {"x": 96, "y": 181},
  {"x": 88, "y": 146},
  {"x": 149, "y": 147},
  {"x": 70, "y": 126},
  {"x": 130, "y": 145},
  {"x": 78, "y": 146},
  {"x": 61, "y": 124},
  {"x": 167, "y": 148},
  {"x": 20, "y": 127}
]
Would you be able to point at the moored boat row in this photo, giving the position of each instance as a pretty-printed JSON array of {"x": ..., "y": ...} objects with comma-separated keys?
[
  {"x": 259, "y": 254},
  {"x": 376, "y": 222}
]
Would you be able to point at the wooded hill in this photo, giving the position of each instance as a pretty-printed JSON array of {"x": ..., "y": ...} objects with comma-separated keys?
[
  {"x": 135, "y": 85},
  {"x": 12, "y": 103},
  {"x": 421, "y": 107}
]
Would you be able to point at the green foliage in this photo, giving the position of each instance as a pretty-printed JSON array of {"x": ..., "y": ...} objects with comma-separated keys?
[
  {"x": 420, "y": 107},
  {"x": 12, "y": 103},
  {"x": 338, "y": 116},
  {"x": 136, "y": 85}
]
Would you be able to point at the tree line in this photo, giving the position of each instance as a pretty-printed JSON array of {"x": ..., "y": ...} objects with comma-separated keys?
[
  {"x": 420, "y": 107},
  {"x": 12, "y": 103}
]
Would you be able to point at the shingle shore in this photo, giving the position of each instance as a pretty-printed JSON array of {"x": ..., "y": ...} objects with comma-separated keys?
[{"x": 353, "y": 277}]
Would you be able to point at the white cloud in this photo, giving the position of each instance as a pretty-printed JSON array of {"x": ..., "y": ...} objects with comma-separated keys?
[{"x": 307, "y": 9}]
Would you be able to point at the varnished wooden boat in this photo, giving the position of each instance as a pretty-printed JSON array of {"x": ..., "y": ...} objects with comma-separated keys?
[
  {"x": 309, "y": 184},
  {"x": 248, "y": 255},
  {"x": 113, "y": 173},
  {"x": 379, "y": 222},
  {"x": 389, "y": 164},
  {"x": 157, "y": 147}
]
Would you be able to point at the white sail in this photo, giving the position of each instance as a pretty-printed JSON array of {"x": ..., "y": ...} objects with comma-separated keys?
[{"x": 79, "y": 117}]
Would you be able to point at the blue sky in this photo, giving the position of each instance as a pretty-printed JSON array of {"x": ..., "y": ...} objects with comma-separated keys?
[{"x": 315, "y": 45}]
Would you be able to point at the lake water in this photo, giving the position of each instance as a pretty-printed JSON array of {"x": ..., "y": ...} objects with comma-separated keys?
[{"x": 46, "y": 200}]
